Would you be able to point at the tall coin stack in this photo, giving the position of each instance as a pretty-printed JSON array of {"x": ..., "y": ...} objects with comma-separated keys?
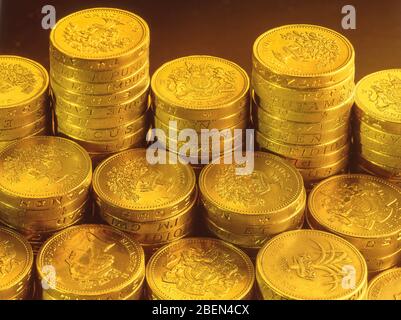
[
  {"x": 99, "y": 68},
  {"x": 44, "y": 186},
  {"x": 16, "y": 259},
  {"x": 377, "y": 125},
  {"x": 310, "y": 265},
  {"x": 200, "y": 93},
  {"x": 23, "y": 99},
  {"x": 247, "y": 210},
  {"x": 154, "y": 203},
  {"x": 303, "y": 82},
  {"x": 91, "y": 262},
  {"x": 364, "y": 210}
]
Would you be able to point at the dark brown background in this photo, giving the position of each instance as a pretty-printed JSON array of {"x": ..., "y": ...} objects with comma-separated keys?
[{"x": 225, "y": 28}]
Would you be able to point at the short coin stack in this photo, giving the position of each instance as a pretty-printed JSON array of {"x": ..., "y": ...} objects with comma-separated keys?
[
  {"x": 91, "y": 262},
  {"x": 200, "y": 268},
  {"x": 154, "y": 203},
  {"x": 99, "y": 68},
  {"x": 303, "y": 82},
  {"x": 16, "y": 260},
  {"x": 44, "y": 186},
  {"x": 310, "y": 265},
  {"x": 248, "y": 209},
  {"x": 23, "y": 99},
  {"x": 364, "y": 210},
  {"x": 377, "y": 125},
  {"x": 386, "y": 286},
  {"x": 201, "y": 93}
]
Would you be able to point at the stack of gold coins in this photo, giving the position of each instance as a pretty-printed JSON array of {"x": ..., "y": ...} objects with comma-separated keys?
[
  {"x": 99, "y": 69},
  {"x": 386, "y": 286},
  {"x": 310, "y": 265},
  {"x": 154, "y": 203},
  {"x": 200, "y": 93},
  {"x": 363, "y": 209},
  {"x": 303, "y": 82},
  {"x": 91, "y": 262},
  {"x": 16, "y": 260},
  {"x": 44, "y": 186},
  {"x": 200, "y": 268},
  {"x": 23, "y": 99},
  {"x": 377, "y": 125},
  {"x": 248, "y": 209}
]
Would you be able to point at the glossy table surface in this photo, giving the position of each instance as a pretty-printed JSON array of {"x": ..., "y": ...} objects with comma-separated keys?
[{"x": 225, "y": 28}]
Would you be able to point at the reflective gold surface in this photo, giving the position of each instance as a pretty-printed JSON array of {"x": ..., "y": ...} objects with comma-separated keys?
[
  {"x": 200, "y": 268},
  {"x": 308, "y": 265}
]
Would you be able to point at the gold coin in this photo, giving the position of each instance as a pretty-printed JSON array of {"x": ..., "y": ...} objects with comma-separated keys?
[
  {"x": 386, "y": 286},
  {"x": 110, "y": 87},
  {"x": 302, "y": 56},
  {"x": 23, "y": 84},
  {"x": 43, "y": 172},
  {"x": 329, "y": 169},
  {"x": 381, "y": 263},
  {"x": 16, "y": 263},
  {"x": 228, "y": 273},
  {"x": 103, "y": 135},
  {"x": 97, "y": 76},
  {"x": 261, "y": 228},
  {"x": 304, "y": 138},
  {"x": 377, "y": 157},
  {"x": 376, "y": 146},
  {"x": 298, "y": 151},
  {"x": 361, "y": 208},
  {"x": 378, "y": 99},
  {"x": 365, "y": 130},
  {"x": 130, "y": 141},
  {"x": 13, "y": 122},
  {"x": 271, "y": 192},
  {"x": 200, "y": 88},
  {"x": 261, "y": 116},
  {"x": 21, "y": 132},
  {"x": 48, "y": 224},
  {"x": 120, "y": 97},
  {"x": 128, "y": 181},
  {"x": 41, "y": 132},
  {"x": 46, "y": 213},
  {"x": 95, "y": 123},
  {"x": 152, "y": 226},
  {"x": 99, "y": 39},
  {"x": 379, "y": 169},
  {"x": 332, "y": 114},
  {"x": 129, "y": 108},
  {"x": 256, "y": 236},
  {"x": 198, "y": 125},
  {"x": 320, "y": 161},
  {"x": 310, "y": 265},
  {"x": 93, "y": 262},
  {"x": 322, "y": 98}
]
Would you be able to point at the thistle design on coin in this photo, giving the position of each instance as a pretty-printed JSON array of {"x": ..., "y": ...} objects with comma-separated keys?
[
  {"x": 200, "y": 272},
  {"x": 321, "y": 262},
  {"x": 14, "y": 75},
  {"x": 8, "y": 258},
  {"x": 200, "y": 81},
  {"x": 92, "y": 265}
]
